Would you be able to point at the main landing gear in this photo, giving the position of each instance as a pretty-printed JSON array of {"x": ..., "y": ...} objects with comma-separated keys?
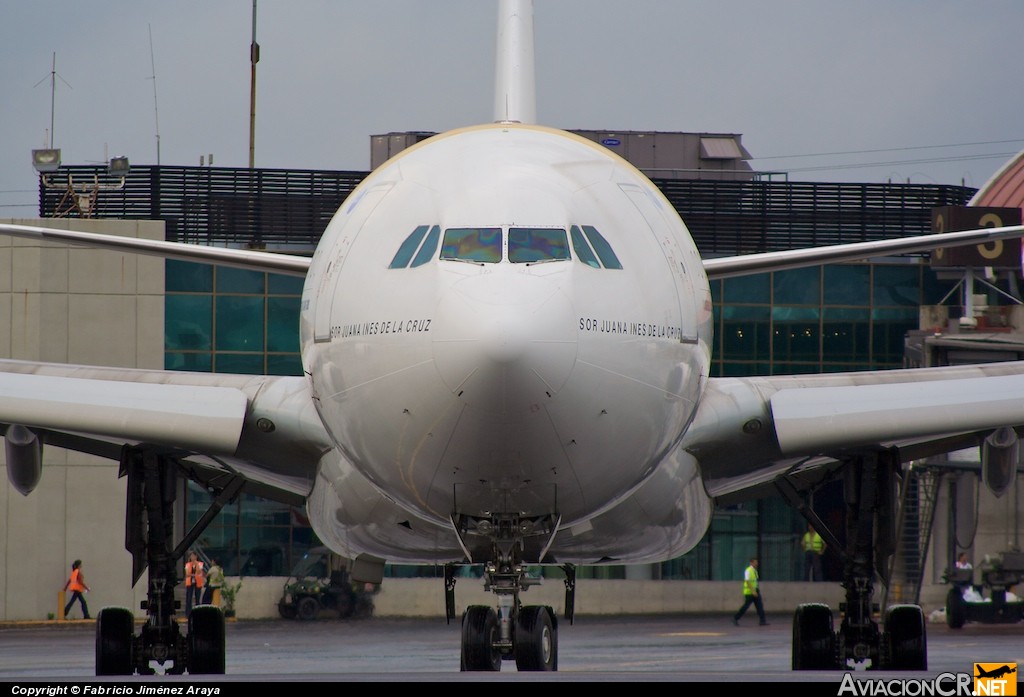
[
  {"x": 901, "y": 643},
  {"x": 152, "y": 479},
  {"x": 527, "y": 634}
]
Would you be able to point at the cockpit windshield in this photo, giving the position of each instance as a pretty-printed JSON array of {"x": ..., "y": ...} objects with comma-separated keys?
[
  {"x": 491, "y": 245},
  {"x": 529, "y": 245},
  {"x": 476, "y": 244}
]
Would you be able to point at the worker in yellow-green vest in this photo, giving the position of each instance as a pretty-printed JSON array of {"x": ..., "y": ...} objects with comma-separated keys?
[
  {"x": 751, "y": 594},
  {"x": 813, "y": 547}
]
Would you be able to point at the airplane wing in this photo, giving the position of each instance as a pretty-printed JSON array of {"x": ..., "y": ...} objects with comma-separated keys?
[
  {"x": 262, "y": 429},
  {"x": 253, "y": 260},
  {"x": 746, "y": 264},
  {"x": 749, "y": 431}
]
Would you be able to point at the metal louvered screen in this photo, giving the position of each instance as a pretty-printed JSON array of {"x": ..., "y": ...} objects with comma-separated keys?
[
  {"x": 274, "y": 207},
  {"x": 215, "y": 205},
  {"x": 727, "y": 217}
]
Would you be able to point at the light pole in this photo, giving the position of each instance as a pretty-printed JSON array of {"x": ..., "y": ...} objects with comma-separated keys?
[{"x": 254, "y": 58}]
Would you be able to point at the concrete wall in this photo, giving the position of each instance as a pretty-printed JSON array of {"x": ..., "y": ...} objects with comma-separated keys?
[
  {"x": 74, "y": 305},
  {"x": 420, "y": 597}
]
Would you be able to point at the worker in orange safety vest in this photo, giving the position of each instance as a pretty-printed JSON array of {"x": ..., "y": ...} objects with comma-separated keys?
[
  {"x": 76, "y": 584},
  {"x": 195, "y": 579}
]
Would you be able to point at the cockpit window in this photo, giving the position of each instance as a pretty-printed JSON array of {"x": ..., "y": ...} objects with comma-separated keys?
[
  {"x": 603, "y": 249},
  {"x": 426, "y": 252},
  {"x": 488, "y": 245},
  {"x": 582, "y": 248},
  {"x": 408, "y": 248},
  {"x": 527, "y": 245},
  {"x": 481, "y": 245}
]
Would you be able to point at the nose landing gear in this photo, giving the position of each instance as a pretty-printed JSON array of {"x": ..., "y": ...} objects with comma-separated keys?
[{"x": 527, "y": 634}]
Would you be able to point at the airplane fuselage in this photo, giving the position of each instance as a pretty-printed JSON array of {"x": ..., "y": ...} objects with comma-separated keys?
[{"x": 504, "y": 318}]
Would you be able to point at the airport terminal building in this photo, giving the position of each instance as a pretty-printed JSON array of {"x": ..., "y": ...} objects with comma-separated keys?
[{"x": 81, "y": 306}]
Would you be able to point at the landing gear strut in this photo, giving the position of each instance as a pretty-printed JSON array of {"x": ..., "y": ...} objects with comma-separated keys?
[
  {"x": 152, "y": 479},
  {"x": 869, "y": 492},
  {"x": 527, "y": 634}
]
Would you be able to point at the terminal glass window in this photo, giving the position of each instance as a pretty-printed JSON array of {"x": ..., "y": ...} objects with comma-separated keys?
[
  {"x": 896, "y": 285},
  {"x": 240, "y": 281},
  {"x": 240, "y": 322},
  {"x": 847, "y": 284},
  {"x": 797, "y": 286},
  {"x": 822, "y": 319},
  {"x": 845, "y": 336},
  {"x": 185, "y": 276},
  {"x": 282, "y": 336},
  {"x": 748, "y": 290},
  {"x": 746, "y": 333},
  {"x": 231, "y": 320},
  {"x": 796, "y": 335},
  {"x": 188, "y": 323},
  {"x": 889, "y": 327}
]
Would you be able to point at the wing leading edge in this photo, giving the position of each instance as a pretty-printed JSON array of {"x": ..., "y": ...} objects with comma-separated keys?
[
  {"x": 264, "y": 429},
  {"x": 748, "y": 431},
  {"x": 746, "y": 264},
  {"x": 252, "y": 260},
  {"x": 821, "y": 419}
]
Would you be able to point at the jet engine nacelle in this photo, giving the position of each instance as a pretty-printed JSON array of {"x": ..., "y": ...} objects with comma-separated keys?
[
  {"x": 1000, "y": 455},
  {"x": 24, "y": 452}
]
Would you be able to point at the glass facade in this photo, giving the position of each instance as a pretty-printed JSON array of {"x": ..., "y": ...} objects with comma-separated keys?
[
  {"x": 226, "y": 320},
  {"x": 819, "y": 319}
]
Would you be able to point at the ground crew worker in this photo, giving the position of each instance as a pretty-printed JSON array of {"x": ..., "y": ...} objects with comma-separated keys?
[
  {"x": 751, "y": 594},
  {"x": 813, "y": 547},
  {"x": 76, "y": 584},
  {"x": 214, "y": 581},
  {"x": 195, "y": 579}
]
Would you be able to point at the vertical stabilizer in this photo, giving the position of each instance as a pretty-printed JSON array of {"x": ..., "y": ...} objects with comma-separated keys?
[{"x": 515, "y": 90}]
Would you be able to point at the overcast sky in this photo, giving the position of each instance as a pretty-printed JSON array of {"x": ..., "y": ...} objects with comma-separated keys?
[{"x": 925, "y": 90}]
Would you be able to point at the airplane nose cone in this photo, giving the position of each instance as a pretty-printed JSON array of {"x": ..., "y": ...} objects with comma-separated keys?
[
  {"x": 505, "y": 348},
  {"x": 504, "y": 336}
]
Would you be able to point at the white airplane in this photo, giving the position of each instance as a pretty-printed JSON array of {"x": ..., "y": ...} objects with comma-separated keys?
[{"x": 506, "y": 339}]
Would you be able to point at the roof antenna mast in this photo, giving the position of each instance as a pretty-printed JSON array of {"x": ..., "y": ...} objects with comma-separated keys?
[
  {"x": 156, "y": 112},
  {"x": 515, "y": 97},
  {"x": 53, "y": 94}
]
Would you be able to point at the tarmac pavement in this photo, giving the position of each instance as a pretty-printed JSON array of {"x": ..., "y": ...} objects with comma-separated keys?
[{"x": 675, "y": 648}]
